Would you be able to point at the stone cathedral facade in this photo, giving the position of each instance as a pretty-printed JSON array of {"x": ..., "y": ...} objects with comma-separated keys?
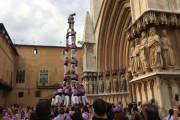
[{"x": 131, "y": 51}]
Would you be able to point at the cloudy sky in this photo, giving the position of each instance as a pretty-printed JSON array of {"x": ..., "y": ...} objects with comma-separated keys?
[{"x": 43, "y": 20}]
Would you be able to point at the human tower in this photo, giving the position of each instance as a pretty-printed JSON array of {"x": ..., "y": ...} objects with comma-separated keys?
[{"x": 70, "y": 93}]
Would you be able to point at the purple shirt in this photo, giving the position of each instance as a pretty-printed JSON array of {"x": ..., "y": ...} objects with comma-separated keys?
[
  {"x": 74, "y": 91},
  {"x": 79, "y": 90},
  {"x": 54, "y": 94},
  {"x": 68, "y": 114},
  {"x": 83, "y": 90},
  {"x": 67, "y": 90},
  {"x": 73, "y": 61},
  {"x": 76, "y": 63},
  {"x": 73, "y": 32},
  {"x": 60, "y": 90},
  {"x": 66, "y": 61},
  {"x": 27, "y": 114},
  {"x": 61, "y": 117},
  {"x": 65, "y": 77},
  {"x": 73, "y": 76},
  {"x": 85, "y": 115},
  {"x": 6, "y": 118},
  {"x": 67, "y": 48},
  {"x": 73, "y": 46}
]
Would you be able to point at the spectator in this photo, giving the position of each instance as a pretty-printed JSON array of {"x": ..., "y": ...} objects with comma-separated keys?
[
  {"x": 1, "y": 117},
  {"x": 67, "y": 113},
  {"x": 99, "y": 106},
  {"x": 61, "y": 115},
  {"x": 85, "y": 114},
  {"x": 33, "y": 116},
  {"x": 109, "y": 112},
  {"x": 170, "y": 116},
  {"x": 43, "y": 109},
  {"x": 152, "y": 101},
  {"x": 56, "y": 113},
  {"x": 28, "y": 111},
  {"x": 77, "y": 109},
  {"x": 119, "y": 116},
  {"x": 77, "y": 116},
  {"x": 128, "y": 115},
  {"x": 3, "y": 112}
]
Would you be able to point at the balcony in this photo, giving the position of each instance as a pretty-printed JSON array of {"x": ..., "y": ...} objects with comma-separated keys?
[
  {"x": 5, "y": 86},
  {"x": 48, "y": 85}
]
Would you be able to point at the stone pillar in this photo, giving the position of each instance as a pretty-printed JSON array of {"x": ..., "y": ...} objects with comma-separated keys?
[
  {"x": 139, "y": 89},
  {"x": 100, "y": 82},
  {"x": 167, "y": 81},
  {"x": 151, "y": 83},
  {"x": 95, "y": 85},
  {"x": 134, "y": 92},
  {"x": 91, "y": 91},
  {"x": 108, "y": 82},
  {"x": 145, "y": 90},
  {"x": 177, "y": 81}
]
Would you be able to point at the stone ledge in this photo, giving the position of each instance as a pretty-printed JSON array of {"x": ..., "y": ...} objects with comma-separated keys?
[{"x": 107, "y": 94}]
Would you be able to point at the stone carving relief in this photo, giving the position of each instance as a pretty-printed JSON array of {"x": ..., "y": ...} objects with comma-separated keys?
[
  {"x": 91, "y": 86},
  {"x": 86, "y": 83},
  {"x": 123, "y": 83},
  {"x": 131, "y": 59},
  {"x": 108, "y": 85},
  {"x": 90, "y": 48},
  {"x": 168, "y": 54},
  {"x": 115, "y": 84},
  {"x": 155, "y": 53},
  {"x": 101, "y": 85}
]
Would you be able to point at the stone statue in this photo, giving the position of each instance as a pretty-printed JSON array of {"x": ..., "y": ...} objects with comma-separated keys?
[
  {"x": 137, "y": 63},
  {"x": 144, "y": 51},
  {"x": 95, "y": 87},
  {"x": 131, "y": 61},
  {"x": 155, "y": 54},
  {"x": 101, "y": 85},
  {"x": 86, "y": 86},
  {"x": 90, "y": 87},
  {"x": 123, "y": 83},
  {"x": 115, "y": 84},
  {"x": 108, "y": 85},
  {"x": 168, "y": 54}
]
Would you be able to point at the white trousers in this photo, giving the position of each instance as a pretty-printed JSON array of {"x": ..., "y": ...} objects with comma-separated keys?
[
  {"x": 76, "y": 70},
  {"x": 86, "y": 99},
  {"x": 72, "y": 99},
  {"x": 76, "y": 100},
  {"x": 73, "y": 67},
  {"x": 53, "y": 101},
  {"x": 62, "y": 97},
  {"x": 66, "y": 101},
  {"x": 66, "y": 53},
  {"x": 73, "y": 53},
  {"x": 79, "y": 99},
  {"x": 67, "y": 41},
  {"x": 72, "y": 26},
  {"x": 58, "y": 99},
  {"x": 73, "y": 39},
  {"x": 65, "y": 69}
]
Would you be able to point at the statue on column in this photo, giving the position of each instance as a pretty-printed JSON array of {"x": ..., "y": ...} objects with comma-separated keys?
[
  {"x": 137, "y": 63},
  {"x": 115, "y": 84},
  {"x": 144, "y": 52},
  {"x": 131, "y": 61},
  {"x": 168, "y": 54},
  {"x": 101, "y": 85},
  {"x": 90, "y": 86},
  {"x": 95, "y": 87},
  {"x": 123, "y": 83},
  {"x": 108, "y": 85},
  {"x": 155, "y": 53},
  {"x": 86, "y": 86}
]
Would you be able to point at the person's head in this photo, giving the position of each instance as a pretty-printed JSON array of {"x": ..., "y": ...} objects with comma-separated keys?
[
  {"x": 143, "y": 34},
  {"x": 67, "y": 110},
  {"x": 61, "y": 110},
  {"x": 150, "y": 112},
  {"x": 152, "y": 31},
  {"x": 99, "y": 106},
  {"x": 139, "y": 103},
  {"x": 1, "y": 117},
  {"x": 33, "y": 116},
  {"x": 77, "y": 116},
  {"x": 152, "y": 101},
  {"x": 119, "y": 116},
  {"x": 171, "y": 112},
  {"x": 77, "y": 109},
  {"x": 127, "y": 112},
  {"x": 56, "y": 113},
  {"x": 72, "y": 109},
  {"x": 164, "y": 33},
  {"x": 119, "y": 103},
  {"x": 108, "y": 106},
  {"x": 28, "y": 108},
  {"x": 85, "y": 109},
  {"x": 66, "y": 58},
  {"x": 43, "y": 108}
]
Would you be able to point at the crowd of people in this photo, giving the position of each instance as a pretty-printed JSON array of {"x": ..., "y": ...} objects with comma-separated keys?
[{"x": 100, "y": 110}]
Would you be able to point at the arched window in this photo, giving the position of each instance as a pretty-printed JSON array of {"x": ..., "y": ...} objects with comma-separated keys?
[{"x": 35, "y": 51}]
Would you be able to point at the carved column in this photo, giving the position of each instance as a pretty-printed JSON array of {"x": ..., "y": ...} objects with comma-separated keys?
[
  {"x": 100, "y": 83},
  {"x": 114, "y": 85},
  {"x": 177, "y": 81},
  {"x": 151, "y": 83},
  {"x": 91, "y": 83},
  {"x": 86, "y": 82},
  {"x": 121, "y": 72},
  {"x": 167, "y": 81}
]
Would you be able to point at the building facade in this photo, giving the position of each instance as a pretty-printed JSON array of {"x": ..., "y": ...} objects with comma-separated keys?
[
  {"x": 132, "y": 53},
  {"x": 30, "y": 72}
]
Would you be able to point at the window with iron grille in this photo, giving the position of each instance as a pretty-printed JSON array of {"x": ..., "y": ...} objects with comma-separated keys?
[
  {"x": 38, "y": 93},
  {"x": 21, "y": 94},
  {"x": 44, "y": 76},
  {"x": 20, "y": 76}
]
